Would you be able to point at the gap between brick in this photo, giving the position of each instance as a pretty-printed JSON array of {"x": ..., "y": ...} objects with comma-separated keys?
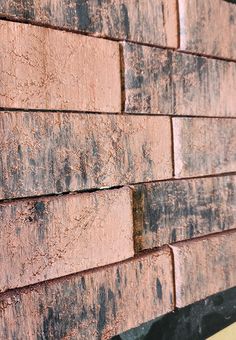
[
  {"x": 9, "y": 109},
  {"x": 178, "y": 24},
  {"x": 91, "y": 190}
]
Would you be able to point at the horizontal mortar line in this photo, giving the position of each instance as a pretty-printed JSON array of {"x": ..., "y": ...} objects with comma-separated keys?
[
  {"x": 6, "y": 201},
  {"x": 170, "y": 115},
  {"x": 33, "y": 198},
  {"x": 122, "y": 113},
  {"x": 207, "y": 235},
  {"x": 25, "y": 289},
  {"x": 205, "y": 55},
  {"x": 10, "y": 109},
  {"x": 187, "y": 240},
  {"x": 12, "y": 18}
]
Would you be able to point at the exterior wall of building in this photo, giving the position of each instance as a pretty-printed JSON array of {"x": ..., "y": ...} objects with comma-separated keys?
[{"x": 117, "y": 162}]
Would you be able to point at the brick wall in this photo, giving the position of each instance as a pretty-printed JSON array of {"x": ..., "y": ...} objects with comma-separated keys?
[{"x": 117, "y": 162}]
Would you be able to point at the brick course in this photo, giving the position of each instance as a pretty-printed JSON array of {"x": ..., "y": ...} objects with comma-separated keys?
[
  {"x": 152, "y": 21},
  {"x": 44, "y": 152},
  {"x": 94, "y": 305}
]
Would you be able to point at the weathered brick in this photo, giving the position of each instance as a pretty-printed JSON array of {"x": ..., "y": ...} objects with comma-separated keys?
[
  {"x": 48, "y": 69},
  {"x": 161, "y": 81},
  {"x": 44, "y": 152},
  {"x": 147, "y": 79},
  {"x": 208, "y": 27},
  {"x": 152, "y": 21},
  {"x": 197, "y": 321},
  {"x": 170, "y": 211},
  {"x": 46, "y": 238},
  {"x": 95, "y": 305},
  {"x": 204, "y": 267},
  {"x": 204, "y": 146}
]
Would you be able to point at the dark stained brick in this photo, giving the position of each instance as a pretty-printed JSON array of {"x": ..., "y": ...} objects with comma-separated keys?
[
  {"x": 91, "y": 306},
  {"x": 208, "y": 27},
  {"x": 170, "y": 211},
  {"x": 159, "y": 81},
  {"x": 62, "y": 152},
  {"x": 152, "y": 21}
]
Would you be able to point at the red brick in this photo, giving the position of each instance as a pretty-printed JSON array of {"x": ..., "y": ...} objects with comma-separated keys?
[
  {"x": 44, "y": 152},
  {"x": 204, "y": 267},
  {"x": 204, "y": 146},
  {"x": 51, "y": 237},
  {"x": 170, "y": 211},
  {"x": 152, "y": 21},
  {"x": 94, "y": 305},
  {"x": 208, "y": 27},
  {"x": 49, "y": 69},
  {"x": 159, "y": 81}
]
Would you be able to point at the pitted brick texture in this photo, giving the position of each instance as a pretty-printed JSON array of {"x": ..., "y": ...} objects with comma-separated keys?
[
  {"x": 170, "y": 211},
  {"x": 204, "y": 146},
  {"x": 159, "y": 81},
  {"x": 151, "y": 21},
  {"x": 95, "y": 305},
  {"x": 208, "y": 27},
  {"x": 55, "y": 70},
  {"x": 51, "y": 237},
  {"x": 204, "y": 267},
  {"x": 43, "y": 152}
]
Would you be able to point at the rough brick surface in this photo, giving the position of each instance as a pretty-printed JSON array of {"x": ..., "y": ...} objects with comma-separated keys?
[
  {"x": 204, "y": 267},
  {"x": 51, "y": 237},
  {"x": 204, "y": 146},
  {"x": 208, "y": 27},
  {"x": 48, "y": 69},
  {"x": 170, "y": 211},
  {"x": 147, "y": 79},
  {"x": 197, "y": 321},
  {"x": 152, "y": 21},
  {"x": 159, "y": 81},
  {"x": 44, "y": 152},
  {"x": 96, "y": 305}
]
